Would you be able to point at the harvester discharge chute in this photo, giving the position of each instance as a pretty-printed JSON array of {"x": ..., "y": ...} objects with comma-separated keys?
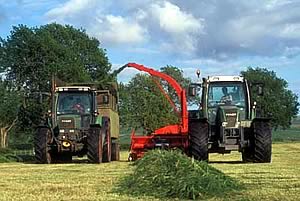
[{"x": 169, "y": 136}]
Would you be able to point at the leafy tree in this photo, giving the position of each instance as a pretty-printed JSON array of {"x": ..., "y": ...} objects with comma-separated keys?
[
  {"x": 177, "y": 74},
  {"x": 9, "y": 102},
  {"x": 278, "y": 102},
  {"x": 143, "y": 105},
  {"x": 30, "y": 56}
]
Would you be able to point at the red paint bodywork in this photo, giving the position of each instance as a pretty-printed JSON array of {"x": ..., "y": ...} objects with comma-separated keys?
[{"x": 174, "y": 136}]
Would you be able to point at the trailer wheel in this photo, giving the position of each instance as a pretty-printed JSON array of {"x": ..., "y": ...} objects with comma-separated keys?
[
  {"x": 198, "y": 140},
  {"x": 42, "y": 138},
  {"x": 115, "y": 151},
  {"x": 107, "y": 147},
  {"x": 262, "y": 142},
  {"x": 94, "y": 144}
]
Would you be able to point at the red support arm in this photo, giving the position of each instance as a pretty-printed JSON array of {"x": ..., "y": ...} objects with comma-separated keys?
[{"x": 171, "y": 129}]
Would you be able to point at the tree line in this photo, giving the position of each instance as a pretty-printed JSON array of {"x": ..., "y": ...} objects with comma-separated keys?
[{"x": 30, "y": 56}]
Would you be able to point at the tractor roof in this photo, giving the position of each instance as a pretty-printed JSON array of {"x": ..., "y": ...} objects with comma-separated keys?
[
  {"x": 73, "y": 88},
  {"x": 225, "y": 79}
]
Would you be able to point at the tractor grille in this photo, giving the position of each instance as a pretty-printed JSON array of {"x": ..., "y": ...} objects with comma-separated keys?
[
  {"x": 231, "y": 118},
  {"x": 67, "y": 122}
]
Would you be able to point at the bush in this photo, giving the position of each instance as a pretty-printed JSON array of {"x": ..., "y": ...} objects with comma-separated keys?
[
  {"x": 9, "y": 155},
  {"x": 6, "y": 155},
  {"x": 172, "y": 174}
]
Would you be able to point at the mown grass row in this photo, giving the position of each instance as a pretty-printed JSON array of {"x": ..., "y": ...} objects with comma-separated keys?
[
  {"x": 171, "y": 174},
  {"x": 279, "y": 180}
]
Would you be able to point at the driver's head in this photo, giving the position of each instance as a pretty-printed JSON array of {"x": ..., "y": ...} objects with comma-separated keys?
[{"x": 224, "y": 90}]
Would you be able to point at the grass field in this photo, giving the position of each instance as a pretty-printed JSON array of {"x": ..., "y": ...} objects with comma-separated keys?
[{"x": 279, "y": 180}]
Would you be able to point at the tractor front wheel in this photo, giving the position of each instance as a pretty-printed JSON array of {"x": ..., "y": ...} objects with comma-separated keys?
[
  {"x": 262, "y": 142},
  {"x": 94, "y": 144},
  {"x": 198, "y": 140},
  {"x": 42, "y": 139}
]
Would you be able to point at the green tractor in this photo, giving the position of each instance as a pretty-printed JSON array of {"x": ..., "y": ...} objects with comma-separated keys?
[
  {"x": 227, "y": 121},
  {"x": 83, "y": 120}
]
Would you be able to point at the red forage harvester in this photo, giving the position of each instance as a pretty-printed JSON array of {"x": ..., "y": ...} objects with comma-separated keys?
[{"x": 169, "y": 136}]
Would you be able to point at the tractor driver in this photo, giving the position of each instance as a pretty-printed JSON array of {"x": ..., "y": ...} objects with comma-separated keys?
[
  {"x": 78, "y": 106},
  {"x": 226, "y": 98}
]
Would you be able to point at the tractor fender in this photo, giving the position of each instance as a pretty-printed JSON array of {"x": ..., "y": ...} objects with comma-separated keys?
[{"x": 261, "y": 119}]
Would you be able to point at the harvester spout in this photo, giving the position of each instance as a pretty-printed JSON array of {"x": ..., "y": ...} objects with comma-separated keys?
[
  {"x": 170, "y": 135},
  {"x": 179, "y": 91}
]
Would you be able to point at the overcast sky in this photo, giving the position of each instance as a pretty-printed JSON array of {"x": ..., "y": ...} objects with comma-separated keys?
[{"x": 216, "y": 36}]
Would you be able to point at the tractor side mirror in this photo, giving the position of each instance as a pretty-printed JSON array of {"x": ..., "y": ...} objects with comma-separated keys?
[
  {"x": 192, "y": 91},
  {"x": 260, "y": 90},
  {"x": 105, "y": 99}
]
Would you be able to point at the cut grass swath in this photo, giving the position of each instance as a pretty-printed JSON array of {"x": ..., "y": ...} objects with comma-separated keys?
[{"x": 165, "y": 174}]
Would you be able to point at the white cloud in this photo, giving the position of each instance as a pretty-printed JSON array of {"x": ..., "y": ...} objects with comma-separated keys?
[
  {"x": 119, "y": 30},
  {"x": 181, "y": 27},
  {"x": 70, "y": 9},
  {"x": 291, "y": 31},
  {"x": 94, "y": 16},
  {"x": 209, "y": 29},
  {"x": 273, "y": 4},
  {"x": 173, "y": 20}
]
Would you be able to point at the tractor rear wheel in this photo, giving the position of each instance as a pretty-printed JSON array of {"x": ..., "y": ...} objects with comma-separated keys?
[
  {"x": 115, "y": 151},
  {"x": 94, "y": 144},
  {"x": 42, "y": 139},
  {"x": 198, "y": 140},
  {"x": 262, "y": 142}
]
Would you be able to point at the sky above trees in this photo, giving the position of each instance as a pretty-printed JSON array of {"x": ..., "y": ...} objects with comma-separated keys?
[{"x": 219, "y": 37}]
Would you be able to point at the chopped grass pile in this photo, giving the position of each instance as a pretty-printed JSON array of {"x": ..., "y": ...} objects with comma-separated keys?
[{"x": 171, "y": 174}]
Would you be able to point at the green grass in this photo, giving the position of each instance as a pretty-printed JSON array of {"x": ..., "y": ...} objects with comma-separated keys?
[
  {"x": 288, "y": 135},
  {"x": 279, "y": 180}
]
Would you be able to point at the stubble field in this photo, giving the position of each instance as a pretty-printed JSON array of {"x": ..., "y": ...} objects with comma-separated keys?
[{"x": 279, "y": 180}]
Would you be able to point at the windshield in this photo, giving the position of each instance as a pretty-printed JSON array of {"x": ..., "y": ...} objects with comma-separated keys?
[
  {"x": 226, "y": 94},
  {"x": 74, "y": 103}
]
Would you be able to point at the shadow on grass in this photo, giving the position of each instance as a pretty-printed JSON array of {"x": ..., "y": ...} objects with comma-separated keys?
[
  {"x": 226, "y": 162},
  {"x": 74, "y": 161}
]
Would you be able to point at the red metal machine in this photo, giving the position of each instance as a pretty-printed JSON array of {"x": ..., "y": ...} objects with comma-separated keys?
[{"x": 170, "y": 136}]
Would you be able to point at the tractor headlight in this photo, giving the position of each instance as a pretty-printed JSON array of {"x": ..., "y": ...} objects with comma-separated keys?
[{"x": 66, "y": 144}]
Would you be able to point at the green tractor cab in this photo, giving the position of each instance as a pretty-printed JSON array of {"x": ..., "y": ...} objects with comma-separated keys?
[
  {"x": 227, "y": 121},
  {"x": 83, "y": 120}
]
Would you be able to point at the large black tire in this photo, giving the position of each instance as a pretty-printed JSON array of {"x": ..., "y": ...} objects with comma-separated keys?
[
  {"x": 42, "y": 139},
  {"x": 115, "y": 151},
  {"x": 262, "y": 141},
  {"x": 94, "y": 144},
  {"x": 107, "y": 147},
  {"x": 198, "y": 139},
  {"x": 247, "y": 155}
]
